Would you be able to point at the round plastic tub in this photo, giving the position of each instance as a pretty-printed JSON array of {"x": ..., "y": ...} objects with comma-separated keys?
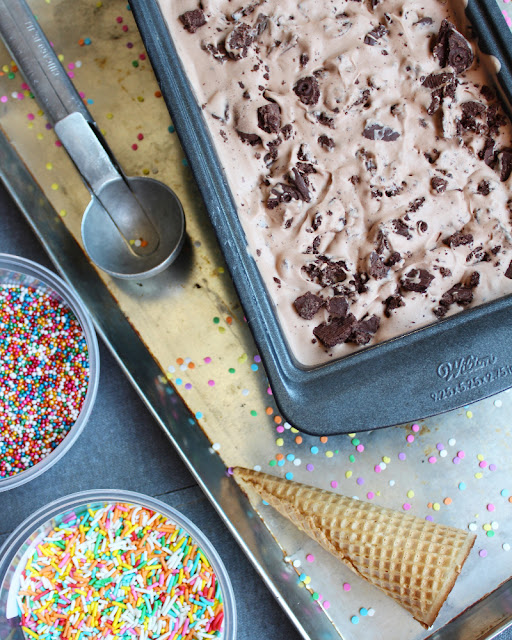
[
  {"x": 23, "y": 541},
  {"x": 22, "y": 272}
]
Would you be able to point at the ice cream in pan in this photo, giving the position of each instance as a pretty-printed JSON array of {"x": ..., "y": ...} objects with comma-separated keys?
[
  {"x": 368, "y": 155},
  {"x": 413, "y": 561}
]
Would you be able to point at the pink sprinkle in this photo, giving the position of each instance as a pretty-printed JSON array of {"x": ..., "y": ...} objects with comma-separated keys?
[
  {"x": 280, "y": 429},
  {"x": 125, "y": 28},
  {"x": 257, "y": 358},
  {"x": 482, "y": 464},
  {"x": 269, "y": 391},
  {"x": 439, "y": 446},
  {"x": 327, "y": 604},
  {"x": 82, "y": 94},
  {"x": 483, "y": 553},
  {"x": 3, "y": 99},
  {"x": 24, "y": 86},
  {"x": 334, "y": 484},
  {"x": 432, "y": 459},
  {"x": 135, "y": 147},
  {"x": 360, "y": 447},
  {"x": 71, "y": 65},
  {"x": 142, "y": 56},
  {"x": 309, "y": 467},
  {"x": 492, "y": 467},
  {"x": 230, "y": 473},
  {"x": 346, "y": 586},
  {"x": 401, "y": 456},
  {"x": 207, "y": 360},
  {"x": 30, "y": 116},
  {"x": 415, "y": 428},
  {"x": 140, "y": 136},
  {"x": 310, "y": 557},
  {"x": 71, "y": 74},
  {"x": 20, "y": 96},
  {"x": 429, "y": 518},
  {"x": 406, "y": 506},
  {"x": 490, "y": 507},
  {"x": 370, "y": 495},
  {"x": 119, "y": 19},
  {"x": 377, "y": 468},
  {"x": 360, "y": 481},
  {"x": 461, "y": 454},
  {"x": 211, "y": 383},
  {"x": 507, "y": 18},
  {"x": 456, "y": 460},
  {"x": 410, "y": 438},
  {"x": 58, "y": 143}
]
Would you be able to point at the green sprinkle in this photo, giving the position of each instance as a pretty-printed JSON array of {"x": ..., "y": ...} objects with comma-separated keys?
[
  {"x": 216, "y": 320},
  {"x": 273, "y": 463},
  {"x": 231, "y": 370},
  {"x": 351, "y": 458}
]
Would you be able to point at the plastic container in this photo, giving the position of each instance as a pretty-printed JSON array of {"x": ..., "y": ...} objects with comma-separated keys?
[
  {"x": 16, "y": 548},
  {"x": 20, "y": 271}
]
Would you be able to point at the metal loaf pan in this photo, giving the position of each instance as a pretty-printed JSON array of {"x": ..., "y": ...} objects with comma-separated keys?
[{"x": 441, "y": 367}]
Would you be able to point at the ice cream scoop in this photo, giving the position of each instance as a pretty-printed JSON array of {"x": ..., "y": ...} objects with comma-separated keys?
[{"x": 133, "y": 227}]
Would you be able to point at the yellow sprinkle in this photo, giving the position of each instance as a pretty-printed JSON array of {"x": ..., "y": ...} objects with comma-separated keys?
[
  {"x": 386, "y": 460},
  {"x": 348, "y": 474},
  {"x": 145, "y": 172},
  {"x": 436, "y": 506},
  {"x": 469, "y": 414},
  {"x": 40, "y": 136},
  {"x": 480, "y": 457},
  {"x": 479, "y": 475},
  {"x": 30, "y": 125},
  {"x": 63, "y": 213},
  {"x": 5, "y": 69},
  {"x": 294, "y": 430},
  {"x": 307, "y": 580},
  {"x": 329, "y": 454},
  {"x": 487, "y": 527},
  {"x": 61, "y": 57},
  {"x": 55, "y": 186},
  {"x": 140, "y": 98},
  {"x": 220, "y": 270},
  {"x": 119, "y": 604},
  {"x": 40, "y": 112},
  {"x": 222, "y": 330},
  {"x": 99, "y": 4},
  {"x": 26, "y": 93},
  {"x": 351, "y": 435},
  {"x": 279, "y": 442},
  {"x": 116, "y": 617},
  {"x": 242, "y": 358},
  {"x": 30, "y": 633},
  {"x": 410, "y": 493},
  {"x": 110, "y": 116}
]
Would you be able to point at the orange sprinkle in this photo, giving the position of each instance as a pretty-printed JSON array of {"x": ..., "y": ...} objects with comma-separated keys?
[
  {"x": 298, "y": 439},
  {"x": 158, "y": 94},
  {"x": 279, "y": 456},
  {"x": 81, "y": 42},
  {"x": 191, "y": 365},
  {"x": 14, "y": 67},
  {"x": 269, "y": 411},
  {"x": 180, "y": 360},
  {"x": 323, "y": 439},
  {"x": 278, "y": 419},
  {"x": 143, "y": 243},
  {"x": 447, "y": 500},
  {"x": 429, "y": 505},
  {"x": 229, "y": 319},
  {"x": 510, "y": 499}
]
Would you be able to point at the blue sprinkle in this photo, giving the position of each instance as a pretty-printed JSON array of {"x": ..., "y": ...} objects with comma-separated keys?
[
  {"x": 199, "y": 415},
  {"x": 289, "y": 475},
  {"x": 179, "y": 381},
  {"x": 462, "y": 486},
  {"x": 302, "y": 577},
  {"x": 191, "y": 421},
  {"x": 290, "y": 457},
  {"x": 184, "y": 162},
  {"x": 254, "y": 367},
  {"x": 354, "y": 620},
  {"x": 87, "y": 41},
  {"x": 171, "y": 129},
  {"x": 314, "y": 449},
  {"x": 264, "y": 502},
  {"x": 90, "y": 101},
  {"x": 280, "y": 463},
  {"x": 505, "y": 493},
  {"x": 363, "y": 611}
]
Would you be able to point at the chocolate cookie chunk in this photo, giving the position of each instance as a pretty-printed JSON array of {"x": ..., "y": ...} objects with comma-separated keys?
[
  {"x": 269, "y": 118},
  {"x": 307, "y": 90},
  {"x": 458, "y": 239},
  {"x": 439, "y": 184},
  {"x": 372, "y": 37},
  {"x": 505, "y": 164},
  {"x": 337, "y": 306},
  {"x": 192, "y": 20},
  {"x": 308, "y": 305},
  {"x": 239, "y": 40},
  {"x": 418, "y": 280},
  {"x": 363, "y": 331},
  {"x": 326, "y": 142},
  {"x": 335, "y": 332},
  {"x": 250, "y": 138},
  {"x": 452, "y": 48},
  {"x": 378, "y": 269},
  {"x": 380, "y": 132},
  {"x": 393, "y": 302}
]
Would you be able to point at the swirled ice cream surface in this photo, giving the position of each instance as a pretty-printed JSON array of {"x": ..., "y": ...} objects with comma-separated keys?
[{"x": 368, "y": 155}]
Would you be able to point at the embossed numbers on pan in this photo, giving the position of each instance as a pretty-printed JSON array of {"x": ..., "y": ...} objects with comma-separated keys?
[{"x": 443, "y": 366}]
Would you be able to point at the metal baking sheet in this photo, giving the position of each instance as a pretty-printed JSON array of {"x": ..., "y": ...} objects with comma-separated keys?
[
  {"x": 184, "y": 344},
  {"x": 309, "y": 396}
]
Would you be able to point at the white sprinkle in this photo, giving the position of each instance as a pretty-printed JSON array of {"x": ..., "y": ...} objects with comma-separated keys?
[
  {"x": 382, "y": 465},
  {"x": 215, "y": 446},
  {"x": 287, "y": 425},
  {"x": 371, "y": 612},
  {"x": 472, "y": 526},
  {"x": 297, "y": 462},
  {"x": 171, "y": 369},
  {"x": 257, "y": 467},
  {"x": 495, "y": 525},
  {"x": 391, "y": 483},
  {"x": 245, "y": 392},
  {"x": 506, "y": 546},
  {"x": 443, "y": 453},
  {"x": 498, "y": 403},
  {"x": 452, "y": 442},
  {"x": 297, "y": 563}
]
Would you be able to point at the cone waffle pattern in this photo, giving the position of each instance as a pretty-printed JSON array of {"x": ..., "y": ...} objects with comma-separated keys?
[{"x": 414, "y": 561}]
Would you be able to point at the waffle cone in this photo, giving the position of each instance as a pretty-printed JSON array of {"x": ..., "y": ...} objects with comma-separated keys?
[{"x": 413, "y": 561}]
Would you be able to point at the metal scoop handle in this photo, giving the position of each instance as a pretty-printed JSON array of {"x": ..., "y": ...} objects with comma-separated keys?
[{"x": 74, "y": 124}]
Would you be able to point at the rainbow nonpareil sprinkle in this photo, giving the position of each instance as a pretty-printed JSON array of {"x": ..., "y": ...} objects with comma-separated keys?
[
  {"x": 120, "y": 571},
  {"x": 44, "y": 373}
]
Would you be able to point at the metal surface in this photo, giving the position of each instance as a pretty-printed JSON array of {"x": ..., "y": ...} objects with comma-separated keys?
[
  {"x": 190, "y": 315},
  {"x": 128, "y": 232}
]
